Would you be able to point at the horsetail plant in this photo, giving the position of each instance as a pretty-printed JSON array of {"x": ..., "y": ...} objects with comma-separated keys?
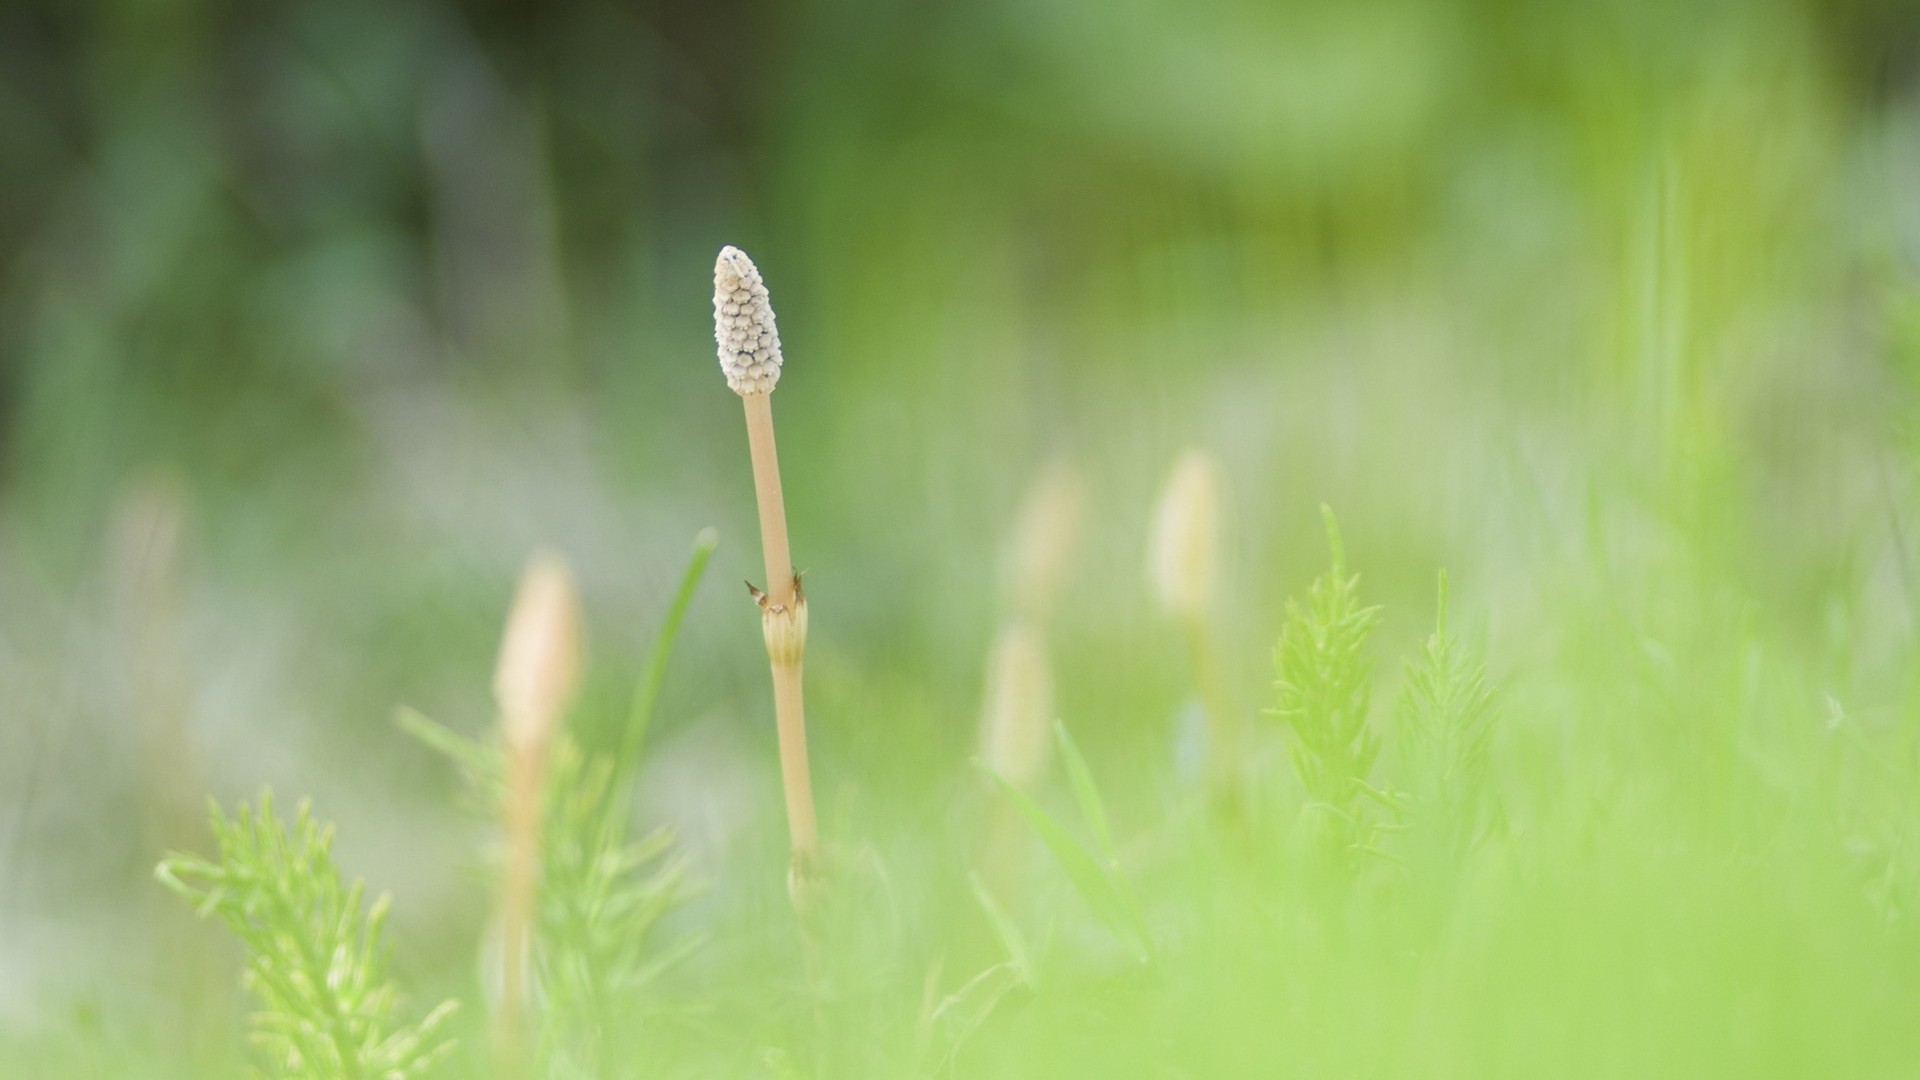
[
  {"x": 602, "y": 897},
  {"x": 1016, "y": 721},
  {"x": 749, "y": 349},
  {"x": 1017, "y": 712},
  {"x": 316, "y": 962},
  {"x": 1445, "y": 713},
  {"x": 1016, "y": 724},
  {"x": 1323, "y": 691},
  {"x": 1183, "y": 566},
  {"x": 534, "y": 684},
  {"x": 580, "y": 899}
]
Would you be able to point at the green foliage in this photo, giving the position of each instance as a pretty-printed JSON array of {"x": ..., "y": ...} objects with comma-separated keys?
[
  {"x": 946, "y": 1025},
  {"x": 1445, "y": 713},
  {"x": 1086, "y": 793},
  {"x": 1323, "y": 691},
  {"x": 1008, "y": 931},
  {"x": 602, "y": 895},
  {"x": 1094, "y": 872},
  {"x": 1613, "y": 308},
  {"x": 601, "y": 899},
  {"x": 315, "y": 962},
  {"x": 482, "y": 765},
  {"x": 647, "y": 693}
]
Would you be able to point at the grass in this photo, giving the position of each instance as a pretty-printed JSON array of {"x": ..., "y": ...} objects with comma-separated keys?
[{"x": 1426, "y": 889}]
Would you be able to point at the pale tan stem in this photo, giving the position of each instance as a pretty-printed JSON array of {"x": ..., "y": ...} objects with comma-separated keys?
[
  {"x": 789, "y": 715},
  {"x": 519, "y": 892},
  {"x": 783, "y": 614},
  {"x": 773, "y": 508}
]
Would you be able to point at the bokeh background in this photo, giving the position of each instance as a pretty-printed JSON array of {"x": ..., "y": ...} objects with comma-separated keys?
[{"x": 318, "y": 316}]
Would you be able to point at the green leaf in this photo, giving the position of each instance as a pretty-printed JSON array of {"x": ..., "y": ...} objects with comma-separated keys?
[
  {"x": 962, "y": 1012},
  {"x": 647, "y": 693},
  {"x": 480, "y": 760},
  {"x": 1010, "y": 936},
  {"x": 1095, "y": 884},
  {"x": 1086, "y": 793}
]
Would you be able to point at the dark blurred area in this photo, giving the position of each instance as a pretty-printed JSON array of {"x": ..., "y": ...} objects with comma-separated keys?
[{"x": 220, "y": 176}]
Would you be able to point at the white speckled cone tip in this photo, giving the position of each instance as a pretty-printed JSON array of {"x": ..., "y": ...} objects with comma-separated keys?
[{"x": 743, "y": 325}]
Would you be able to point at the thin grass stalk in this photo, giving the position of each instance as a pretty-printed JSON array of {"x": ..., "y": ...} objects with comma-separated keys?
[{"x": 647, "y": 693}]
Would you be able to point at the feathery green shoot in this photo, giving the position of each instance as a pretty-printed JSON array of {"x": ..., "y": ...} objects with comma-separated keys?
[
  {"x": 1323, "y": 691},
  {"x": 1445, "y": 710},
  {"x": 602, "y": 898},
  {"x": 315, "y": 960}
]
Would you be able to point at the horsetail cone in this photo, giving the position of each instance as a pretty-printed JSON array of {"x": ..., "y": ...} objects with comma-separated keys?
[
  {"x": 749, "y": 349},
  {"x": 743, "y": 325}
]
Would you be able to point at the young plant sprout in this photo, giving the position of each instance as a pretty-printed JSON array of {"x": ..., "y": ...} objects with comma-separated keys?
[
  {"x": 533, "y": 684},
  {"x": 1016, "y": 727},
  {"x": 750, "y": 358},
  {"x": 1183, "y": 566}
]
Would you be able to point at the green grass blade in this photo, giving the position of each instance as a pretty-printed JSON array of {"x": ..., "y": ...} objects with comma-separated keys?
[
  {"x": 1009, "y": 934},
  {"x": 1095, "y": 884},
  {"x": 473, "y": 756},
  {"x": 1087, "y": 794},
  {"x": 640, "y": 717},
  {"x": 963, "y": 1012}
]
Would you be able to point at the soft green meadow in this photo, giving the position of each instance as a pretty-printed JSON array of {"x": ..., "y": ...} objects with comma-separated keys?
[{"x": 1341, "y": 540}]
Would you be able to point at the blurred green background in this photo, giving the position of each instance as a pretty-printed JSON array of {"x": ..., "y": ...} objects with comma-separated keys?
[{"x": 317, "y": 316}]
